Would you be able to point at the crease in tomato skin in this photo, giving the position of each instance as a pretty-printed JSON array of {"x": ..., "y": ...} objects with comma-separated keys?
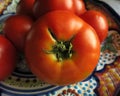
[
  {"x": 72, "y": 72},
  {"x": 52, "y": 34}
]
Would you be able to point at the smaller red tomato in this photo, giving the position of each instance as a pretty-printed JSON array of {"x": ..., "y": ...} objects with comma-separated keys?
[
  {"x": 43, "y": 6},
  {"x": 7, "y": 58},
  {"x": 25, "y": 7},
  {"x": 16, "y": 28},
  {"x": 98, "y": 21}
]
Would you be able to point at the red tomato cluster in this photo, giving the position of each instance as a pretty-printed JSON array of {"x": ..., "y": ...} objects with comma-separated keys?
[{"x": 59, "y": 38}]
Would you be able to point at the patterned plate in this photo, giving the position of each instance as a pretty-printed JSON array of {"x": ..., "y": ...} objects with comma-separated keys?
[{"x": 103, "y": 82}]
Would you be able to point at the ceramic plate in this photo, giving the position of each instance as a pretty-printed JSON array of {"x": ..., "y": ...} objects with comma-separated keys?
[{"x": 103, "y": 82}]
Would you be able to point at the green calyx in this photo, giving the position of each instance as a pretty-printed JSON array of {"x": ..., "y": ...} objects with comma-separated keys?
[{"x": 62, "y": 49}]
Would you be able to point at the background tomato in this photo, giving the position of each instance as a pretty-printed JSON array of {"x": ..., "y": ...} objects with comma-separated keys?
[
  {"x": 43, "y": 6},
  {"x": 7, "y": 58},
  {"x": 98, "y": 21},
  {"x": 25, "y": 7},
  {"x": 61, "y": 48},
  {"x": 15, "y": 29}
]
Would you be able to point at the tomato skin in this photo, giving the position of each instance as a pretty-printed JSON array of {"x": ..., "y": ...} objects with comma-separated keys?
[
  {"x": 64, "y": 26},
  {"x": 8, "y": 58},
  {"x": 25, "y": 7},
  {"x": 15, "y": 29},
  {"x": 98, "y": 21},
  {"x": 43, "y": 6}
]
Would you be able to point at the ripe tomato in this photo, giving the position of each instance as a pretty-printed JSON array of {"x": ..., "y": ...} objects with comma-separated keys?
[
  {"x": 43, "y": 6},
  {"x": 15, "y": 29},
  {"x": 61, "y": 48},
  {"x": 25, "y": 7},
  {"x": 7, "y": 58},
  {"x": 98, "y": 21}
]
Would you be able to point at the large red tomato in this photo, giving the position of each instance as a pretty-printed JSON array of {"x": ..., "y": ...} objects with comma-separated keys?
[
  {"x": 15, "y": 29},
  {"x": 61, "y": 48},
  {"x": 25, "y": 7},
  {"x": 43, "y": 6},
  {"x": 98, "y": 21},
  {"x": 7, "y": 58}
]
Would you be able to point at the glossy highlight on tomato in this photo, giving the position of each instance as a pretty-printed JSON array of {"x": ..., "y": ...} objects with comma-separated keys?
[{"x": 62, "y": 53}]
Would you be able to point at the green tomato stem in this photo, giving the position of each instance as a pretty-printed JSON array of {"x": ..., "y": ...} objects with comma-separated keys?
[{"x": 62, "y": 49}]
